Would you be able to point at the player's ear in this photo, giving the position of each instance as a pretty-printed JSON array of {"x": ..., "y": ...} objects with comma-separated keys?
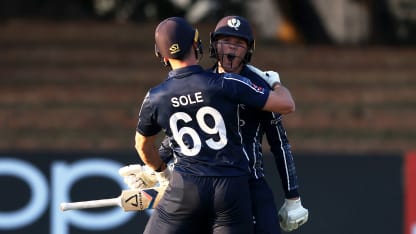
[{"x": 166, "y": 62}]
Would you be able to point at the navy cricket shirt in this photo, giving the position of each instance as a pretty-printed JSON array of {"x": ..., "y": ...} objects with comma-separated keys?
[{"x": 199, "y": 112}]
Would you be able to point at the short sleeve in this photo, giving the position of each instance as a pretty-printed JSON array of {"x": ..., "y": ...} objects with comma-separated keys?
[
  {"x": 246, "y": 92},
  {"x": 147, "y": 123}
]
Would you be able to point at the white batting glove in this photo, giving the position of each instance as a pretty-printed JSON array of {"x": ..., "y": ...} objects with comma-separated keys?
[
  {"x": 292, "y": 215},
  {"x": 271, "y": 77},
  {"x": 137, "y": 176}
]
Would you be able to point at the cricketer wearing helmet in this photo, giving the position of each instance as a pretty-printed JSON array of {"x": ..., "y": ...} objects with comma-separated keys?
[
  {"x": 208, "y": 189},
  {"x": 232, "y": 45}
]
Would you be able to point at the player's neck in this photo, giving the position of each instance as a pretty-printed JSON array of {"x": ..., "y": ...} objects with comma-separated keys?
[
  {"x": 237, "y": 70},
  {"x": 176, "y": 64}
]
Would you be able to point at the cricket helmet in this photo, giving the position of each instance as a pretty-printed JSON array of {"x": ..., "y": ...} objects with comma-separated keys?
[
  {"x": 235, "y": 26},
  {"x": 174, "y": 37}
]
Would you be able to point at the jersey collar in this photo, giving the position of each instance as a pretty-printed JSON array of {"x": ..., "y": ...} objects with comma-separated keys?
[{"x": 185, "y": 71}]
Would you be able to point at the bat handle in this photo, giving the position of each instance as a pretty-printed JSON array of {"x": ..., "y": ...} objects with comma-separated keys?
[{"x": 90, "y": 204}]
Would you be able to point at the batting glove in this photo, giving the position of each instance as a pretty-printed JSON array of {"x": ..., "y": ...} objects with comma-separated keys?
[
  {"x": 137, "y": 176},
  {"x": 271, "y": 77},
  {"x": 292, "y": 215}
]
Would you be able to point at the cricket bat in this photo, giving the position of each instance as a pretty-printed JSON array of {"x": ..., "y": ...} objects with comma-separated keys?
[{"x": 129, "y": 200}]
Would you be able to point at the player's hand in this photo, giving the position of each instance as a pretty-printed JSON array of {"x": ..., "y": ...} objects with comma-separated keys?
[
  {"x": 271, "y": 77},
  {"x": 137, "y": 176},
  {"x": 292, "y": 215}
]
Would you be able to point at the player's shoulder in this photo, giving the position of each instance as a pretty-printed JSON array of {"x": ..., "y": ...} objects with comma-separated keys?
[
  {"x": 155, "y": 89},
  {"x": 158, "y": 92},
  {"x": 236, "y": 80},
  {"x": 235, "y": 77},
  {"x": 253, "y": 77}
]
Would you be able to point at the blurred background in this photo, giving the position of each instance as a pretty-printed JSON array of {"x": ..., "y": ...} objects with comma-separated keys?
[{"x": 74, "y": 72}]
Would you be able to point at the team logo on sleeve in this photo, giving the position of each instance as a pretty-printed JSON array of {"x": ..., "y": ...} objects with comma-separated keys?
[
  {"x": 258, "y": 88},
  {"x": 274, "y": 122},
  {"x": 276, "y": 119}
]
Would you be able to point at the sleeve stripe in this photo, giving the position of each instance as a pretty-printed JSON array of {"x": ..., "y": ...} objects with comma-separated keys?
[
  {"x": 289, "y": 187},
  {"x": 243, "y": 82}
]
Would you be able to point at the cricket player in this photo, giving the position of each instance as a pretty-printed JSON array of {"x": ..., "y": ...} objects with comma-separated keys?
[
  {"x": 232, "y": 45},
  {"x": 208, "y": 189}
]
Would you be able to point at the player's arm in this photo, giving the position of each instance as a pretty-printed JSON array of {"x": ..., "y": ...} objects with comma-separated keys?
[
  {"x": 282, "y": 154},
  {"x": 138, "y": 176},
  {"x": 280, "y": 100},
  {"x": 146, "y": 134},
  {"x": 292, "y": 214},
  {"x": 148, "y": 152},
  {"x": 145, "y": 141}
]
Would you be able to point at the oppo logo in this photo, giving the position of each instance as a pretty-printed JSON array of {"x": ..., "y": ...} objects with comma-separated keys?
[{"x": 45, "y": 196}]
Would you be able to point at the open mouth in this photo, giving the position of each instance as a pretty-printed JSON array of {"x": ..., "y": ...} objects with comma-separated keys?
[
  {"x": 228, "y": 60},
  {"x": 230, "y": 57}
]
